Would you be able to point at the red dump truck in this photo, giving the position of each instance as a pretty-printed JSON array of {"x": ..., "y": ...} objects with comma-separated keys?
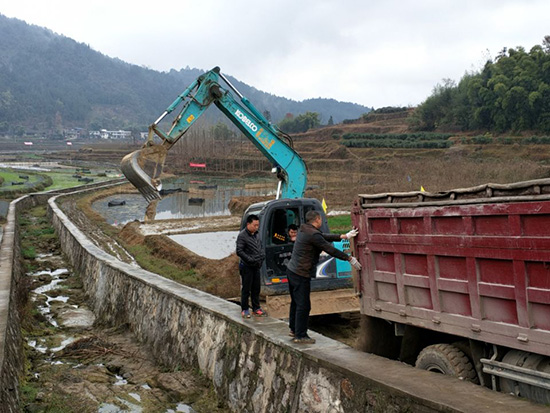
[{"x": 458, "y": 282}]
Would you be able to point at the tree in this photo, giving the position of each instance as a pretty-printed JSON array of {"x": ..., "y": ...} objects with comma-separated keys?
[
  {"x": 222, "y": 132},
  {"x": 301, "y": 123},
  {"x": 510, "y": 93},
  {"x": 330, "y": 121}
]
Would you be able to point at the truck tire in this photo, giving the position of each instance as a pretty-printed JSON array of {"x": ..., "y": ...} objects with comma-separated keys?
[
  {"x": 447, "y": 359},
  {"x": 531, "y": 361}
]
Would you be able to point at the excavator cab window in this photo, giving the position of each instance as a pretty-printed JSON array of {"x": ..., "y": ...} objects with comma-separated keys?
[
  {"x": 278, "y": 245},
  {"x": 279, "y": 223}
]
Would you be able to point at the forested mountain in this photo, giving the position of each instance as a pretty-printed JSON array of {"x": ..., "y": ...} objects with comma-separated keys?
[
  {"x": 49, "y": 82},
  {"x": 511, "y": 93}
]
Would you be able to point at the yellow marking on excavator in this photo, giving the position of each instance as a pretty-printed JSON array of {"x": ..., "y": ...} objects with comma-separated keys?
[
  {"x": 190, "y": 118},
  {"x": 264, "y": 141}
]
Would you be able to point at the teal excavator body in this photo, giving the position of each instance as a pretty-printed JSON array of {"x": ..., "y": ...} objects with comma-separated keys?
[{"x": 144, "y": 167}]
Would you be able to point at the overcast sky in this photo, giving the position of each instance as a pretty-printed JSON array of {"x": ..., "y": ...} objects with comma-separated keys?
[{"x": 372, "y": 52}]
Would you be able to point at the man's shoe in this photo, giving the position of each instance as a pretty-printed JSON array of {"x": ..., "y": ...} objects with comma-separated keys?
[
  {"x": 245, "y": 313},
  {"x": 304, "y": 340},
  {"x": 259, "y": 313},
  {"x": 291, "y": 333}
]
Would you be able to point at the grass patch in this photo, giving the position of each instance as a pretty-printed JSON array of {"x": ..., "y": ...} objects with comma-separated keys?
[
  {"x": 28, "y": 253},
  {"x": 39, "y": 232},
  {"x": 339, "y": 224},
  {"x": 35, "y": 230},
  {"x": 159, "y": 266}
]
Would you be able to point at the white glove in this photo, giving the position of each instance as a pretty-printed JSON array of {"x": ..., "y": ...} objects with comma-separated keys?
[
  {"x": 352, "y": 233},
  {"x": 355, "y": 264}
]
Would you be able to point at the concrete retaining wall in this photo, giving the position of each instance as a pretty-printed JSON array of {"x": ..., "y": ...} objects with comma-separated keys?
[
  {"x": 252, "y": 363},
  {"x": 11, "y": 352}
]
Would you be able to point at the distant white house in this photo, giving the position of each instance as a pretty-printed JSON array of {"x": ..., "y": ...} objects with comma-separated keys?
[{"x": 110, "y": 134}]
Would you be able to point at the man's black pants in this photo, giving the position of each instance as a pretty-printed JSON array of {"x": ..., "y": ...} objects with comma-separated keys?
[
  {"x": 250, "y": 287},
  {"x": 300, "y": 304}
]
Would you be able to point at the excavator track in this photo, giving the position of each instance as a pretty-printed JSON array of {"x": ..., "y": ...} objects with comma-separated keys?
[{"x": 143, "y": 168}]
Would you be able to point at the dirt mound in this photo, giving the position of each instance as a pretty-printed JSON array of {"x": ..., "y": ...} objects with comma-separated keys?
[
  {"x": 218, "y": 277},
  {"x": 130, "y": 233},
  {"x": 238, "y": 205}
]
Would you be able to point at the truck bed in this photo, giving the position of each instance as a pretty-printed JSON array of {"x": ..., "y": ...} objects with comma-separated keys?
[{"x": 473, "y": 262}]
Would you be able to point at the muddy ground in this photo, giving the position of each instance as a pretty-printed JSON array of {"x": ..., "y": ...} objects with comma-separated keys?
[{"x": 75, "y": 365}]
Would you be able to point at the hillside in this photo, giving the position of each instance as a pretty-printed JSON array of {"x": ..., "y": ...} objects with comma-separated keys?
[
  {"x": 49, "y": 82},
  {"x": 338, "y": 173}
]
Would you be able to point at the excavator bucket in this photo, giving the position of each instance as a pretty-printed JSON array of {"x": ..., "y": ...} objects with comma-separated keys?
[{"x": 143, "y": 168}]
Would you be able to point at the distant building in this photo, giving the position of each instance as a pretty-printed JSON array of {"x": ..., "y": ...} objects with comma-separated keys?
[
  {"x": 110, "y": 134},
  {"x": 74, "y": 133}
]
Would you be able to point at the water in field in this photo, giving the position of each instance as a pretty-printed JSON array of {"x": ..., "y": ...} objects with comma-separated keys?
[
  {"x": 199, "y": 198},
  {"x": 212, "y": 245}
]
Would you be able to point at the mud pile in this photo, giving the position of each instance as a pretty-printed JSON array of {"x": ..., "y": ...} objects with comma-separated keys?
[
  {"x": 238, "y": 205},
  {"x": 218, "y": 277}
]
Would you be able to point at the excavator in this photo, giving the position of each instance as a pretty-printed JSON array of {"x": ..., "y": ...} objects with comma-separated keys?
[{"x": 143, "y": 169}]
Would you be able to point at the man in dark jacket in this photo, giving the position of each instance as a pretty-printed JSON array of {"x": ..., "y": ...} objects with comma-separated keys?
[
  {"x": 309, "y": 244},
  {"x": 252, "y": 255}
]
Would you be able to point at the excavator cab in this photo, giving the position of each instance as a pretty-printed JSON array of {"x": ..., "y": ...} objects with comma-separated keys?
[{"x": 275, "y": 218}]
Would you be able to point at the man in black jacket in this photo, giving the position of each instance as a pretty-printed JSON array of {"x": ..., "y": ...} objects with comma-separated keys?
[
  {"x": 252, "y": 255},
  {"x": 309, "y": 244}
]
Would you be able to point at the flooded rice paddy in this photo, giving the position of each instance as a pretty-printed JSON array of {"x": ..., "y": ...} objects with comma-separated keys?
[
  {"x": 211, "y": 245},
  {"x": 194, "y": 199}
]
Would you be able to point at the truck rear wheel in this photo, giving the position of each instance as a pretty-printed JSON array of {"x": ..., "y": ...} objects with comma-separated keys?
[
  {"x": 530, "y": 361},
  {"x": 447, "y": 359}
]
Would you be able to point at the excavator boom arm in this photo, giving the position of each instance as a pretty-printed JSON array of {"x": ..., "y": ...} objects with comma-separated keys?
[{"x": 143, "y": 167}]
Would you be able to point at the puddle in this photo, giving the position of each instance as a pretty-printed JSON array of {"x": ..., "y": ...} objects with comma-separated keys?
[
  {"x": 120, "y": 381},
  {"x": 55, "y": 273},
  {"x": 76, "y": 317},
  {"x": 182, "y": 407},
  {"x": 4, "y": 207},
  {"x": 63, "y": 344},
  {"x": 52, "y": 285},
  {"x": 212, "y": 245},
  {"x": 41, "y": 348},
  {"x": 111, "y": 408}
]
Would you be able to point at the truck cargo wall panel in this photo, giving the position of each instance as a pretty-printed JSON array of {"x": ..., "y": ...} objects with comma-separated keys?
[{"x": 481, "y": 271}]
